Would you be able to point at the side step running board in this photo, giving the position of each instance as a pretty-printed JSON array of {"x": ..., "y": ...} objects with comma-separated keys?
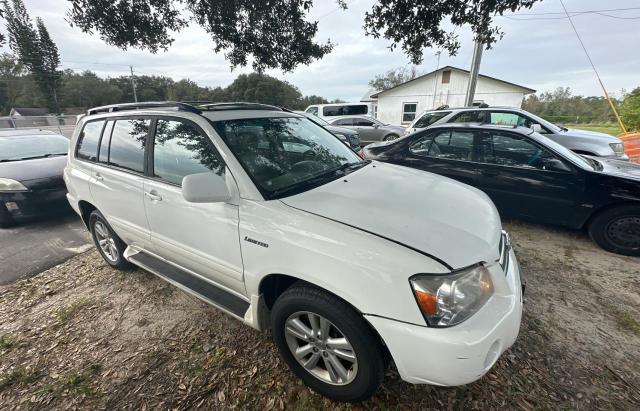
[{"x": 191, "y": 283}]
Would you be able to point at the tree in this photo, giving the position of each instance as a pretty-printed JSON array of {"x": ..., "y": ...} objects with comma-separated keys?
[
  {"x": 35, "y": 49},
  {"x": 277, "y": 34},
  {"x": 393, "y": 78},
  {"x": 261, "y": 88},
  {"x": 630, "y": 110},
  {"x": 416, "y": 25}
]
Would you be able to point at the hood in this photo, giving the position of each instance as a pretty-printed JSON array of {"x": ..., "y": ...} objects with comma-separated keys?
[
  {"x": 34, "y": 169},
  {"x": 448, "y": 220},
  {"x": 618, "y": 168},
  {"x": 591, "y": 135}
]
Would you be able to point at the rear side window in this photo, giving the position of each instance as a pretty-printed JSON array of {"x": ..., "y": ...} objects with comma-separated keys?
[
  {"x": 89, "y": 140},
  {"x": 469, "y": 117},
  {"x": 428, "y": 119},
  {"x": 351, "y": 110},
  {"x": 128, "y": 140},
  {"x": 180, "y": 149}
]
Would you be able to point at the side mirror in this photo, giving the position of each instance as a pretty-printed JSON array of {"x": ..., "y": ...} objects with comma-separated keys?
[
  {"x": 553, "y": 164},
  {"x": 376, "y": 126},
  {"x": 536, "y": 128},
  {"x": 205, "y": 188}
]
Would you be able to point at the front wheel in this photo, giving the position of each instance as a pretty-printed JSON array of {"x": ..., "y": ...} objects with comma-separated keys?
[
  {"x": 618, "y": 230},
  {"x": 327, "y": 344}
]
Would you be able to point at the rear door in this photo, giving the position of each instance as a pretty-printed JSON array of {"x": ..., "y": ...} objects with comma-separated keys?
[
  {"x": 118, "y": 175},
  {"x": 518, "y": 175},
  {"x": 201, "y": 237},
  {"x": 446, "y": 152}
]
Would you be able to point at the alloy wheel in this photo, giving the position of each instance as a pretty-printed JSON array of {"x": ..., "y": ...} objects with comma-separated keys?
[
  {"x": 321, "y": 348},
  {"x": 106, "y": 242}
]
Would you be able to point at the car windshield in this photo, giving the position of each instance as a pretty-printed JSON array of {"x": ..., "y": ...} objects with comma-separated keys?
[
  {"x": 28, "y": 147},
  {"x": 546, "y": 123},
  {"x": 566, "y": 153},
  {"x": 430, "y": 118},
  {"x": 287, "y": 155}
]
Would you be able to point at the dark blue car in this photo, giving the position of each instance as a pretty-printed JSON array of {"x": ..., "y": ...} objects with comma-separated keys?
[{"x": 31, "y": 184}]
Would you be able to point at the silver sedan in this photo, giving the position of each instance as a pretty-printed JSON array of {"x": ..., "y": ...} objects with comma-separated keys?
[{"x": 369, "y": 129}]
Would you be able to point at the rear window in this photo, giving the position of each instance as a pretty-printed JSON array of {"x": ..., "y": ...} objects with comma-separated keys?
[
  {"x": 89, "y": 140},
  {"x": 128, "y": 141},
  {"x": 350, "y": 110}
]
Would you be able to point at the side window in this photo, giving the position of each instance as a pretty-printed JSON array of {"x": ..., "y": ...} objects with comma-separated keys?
[
  {"x": 509, "y": 119},
  {"x": 428, "y": 119},
  {"x": 103, "y": 153},
  {"x": 446, "y": 76},
  {"x": 507, "y": 149},
  {"x": 421, "y": 146},
  {"x": 452, "y": 145},
  {"x": 362, "y": 122},
  {"x": 344, "y": 122},
  {"x": 313, "y": 110},
  {"x": 181, "y": 149},
  {"x": 88, "y": 140},
  {"x": 469, "y": 117},
  {"x": 409, "y": 112},
  {"x": 128, "y": 140}
]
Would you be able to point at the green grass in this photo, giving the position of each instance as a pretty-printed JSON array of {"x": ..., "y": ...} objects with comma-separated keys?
[{"x": 608, "y": 128}]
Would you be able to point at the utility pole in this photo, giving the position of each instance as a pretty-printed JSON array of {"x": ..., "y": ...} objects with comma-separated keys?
[
  {"x": 435, "y": 80},
  {"x": 133, "y": 85},
  {"x": 473, "y": 73}
]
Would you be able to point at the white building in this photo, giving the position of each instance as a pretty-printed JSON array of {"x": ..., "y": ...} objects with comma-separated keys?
[{"x": 445, "y": 86}]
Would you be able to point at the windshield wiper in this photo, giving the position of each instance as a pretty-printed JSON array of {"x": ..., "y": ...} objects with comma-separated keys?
[{"x": 353, "y": 166}]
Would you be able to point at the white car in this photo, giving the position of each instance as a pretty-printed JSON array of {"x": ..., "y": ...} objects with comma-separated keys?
[{"x": 269, "y": 217}]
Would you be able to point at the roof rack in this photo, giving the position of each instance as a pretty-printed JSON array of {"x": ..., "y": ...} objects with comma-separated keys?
[
  {"x": 145, "y": 105},
  {"x": 238, "y": 106}
]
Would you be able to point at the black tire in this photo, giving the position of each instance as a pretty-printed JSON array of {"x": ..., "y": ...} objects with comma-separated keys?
[
  {"x": 391, "y": 137},
  {"x": 302, "y": 297},
  {"x": 97, "y": 222},
  {"x": 618, "y": 230},
  {"x": 6, "y": 220}
]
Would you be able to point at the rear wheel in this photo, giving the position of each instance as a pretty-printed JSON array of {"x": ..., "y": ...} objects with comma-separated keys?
[
  {"x": 6, "y": 220},
  {"x": 618, "y": 230},
  {"x": 110, "y": 246},
  {"x": 327, "y": 344}
]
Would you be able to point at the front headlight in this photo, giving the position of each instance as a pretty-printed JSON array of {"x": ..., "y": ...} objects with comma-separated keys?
[
  {"x": 447, "y": 300},
  {"x": 7, "y": 184},
  {"x": 617, "y": 148}
]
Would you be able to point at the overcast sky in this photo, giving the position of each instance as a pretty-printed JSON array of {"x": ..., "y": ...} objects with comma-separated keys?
[{"x": 540, "y": 51}]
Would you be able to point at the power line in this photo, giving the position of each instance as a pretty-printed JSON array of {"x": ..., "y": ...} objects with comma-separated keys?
[
  {"x": 594, "y": 68},
  {"x": 572, "y": 12}
]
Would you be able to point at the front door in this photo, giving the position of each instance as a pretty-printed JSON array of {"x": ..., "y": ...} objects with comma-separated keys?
[
  {"x": 118, "y": 175},
  {"x": 448, "y": 153},
  {"x": 366, "y": 129},
  {"x": 201, "y": 237},
  {"x": 525, "y": 179}
]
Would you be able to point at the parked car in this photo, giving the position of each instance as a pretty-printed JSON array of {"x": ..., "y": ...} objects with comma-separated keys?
[
  {"x": 329, "y": 111},
  {"x": 258, "y": 211},
  {"x": 369, "y": 129},
  {"x": 31, "y": 185},
  {"x": 579, "y": 141},
  {"x": 346, "y": 135},
  {"x": 528, "y": 175}
]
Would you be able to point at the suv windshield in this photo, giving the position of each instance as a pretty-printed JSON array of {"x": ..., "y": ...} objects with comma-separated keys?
[
  {"x": 429, "y": 118},
  {"x": 287, "y": 155},
  {"x": 28, "y": 147}
]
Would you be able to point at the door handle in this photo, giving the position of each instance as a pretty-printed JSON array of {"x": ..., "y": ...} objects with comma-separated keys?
[
  {"x": 153, "y": 196},
  {"x": 99, "y": 177}
]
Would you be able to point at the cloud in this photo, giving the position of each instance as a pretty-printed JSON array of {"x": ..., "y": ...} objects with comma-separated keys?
[{"x": 542, "y": 54}]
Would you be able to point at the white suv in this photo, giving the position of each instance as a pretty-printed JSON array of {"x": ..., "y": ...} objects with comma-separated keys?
[{"x": 269, "y": 217}]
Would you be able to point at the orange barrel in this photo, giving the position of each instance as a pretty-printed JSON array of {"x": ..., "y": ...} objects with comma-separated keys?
[{"x": 631, "y": 145}]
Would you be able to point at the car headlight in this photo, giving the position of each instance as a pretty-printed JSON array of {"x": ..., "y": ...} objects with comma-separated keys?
[
  {"x": 7, "y": 184},
  {"x": 617, "y": 148},
  {"x": 447, "y": 300}
]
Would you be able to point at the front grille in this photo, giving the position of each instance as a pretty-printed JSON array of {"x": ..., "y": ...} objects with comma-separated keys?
[{"x": 504, "y": 247}]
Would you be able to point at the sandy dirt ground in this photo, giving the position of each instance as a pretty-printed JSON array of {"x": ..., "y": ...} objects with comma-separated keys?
[{"x": 84, "y": 336}]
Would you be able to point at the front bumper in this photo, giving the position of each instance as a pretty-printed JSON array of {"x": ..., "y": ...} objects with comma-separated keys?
[
  {"x": 465, "y": 352},
  {"x": 24, "y": 205}
]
